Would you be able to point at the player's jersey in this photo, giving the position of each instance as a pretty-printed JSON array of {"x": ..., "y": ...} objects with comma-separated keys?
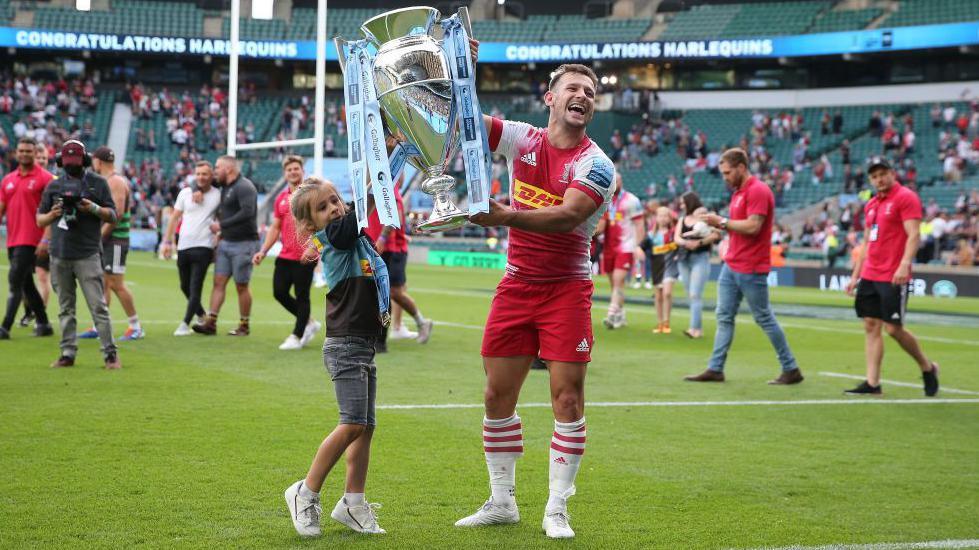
[
  {"x": 620, "y": 233},
  {"x": 540, "y": 175}
]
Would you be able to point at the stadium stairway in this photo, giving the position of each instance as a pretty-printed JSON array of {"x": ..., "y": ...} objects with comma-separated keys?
[{"x": 119, "y": 129}]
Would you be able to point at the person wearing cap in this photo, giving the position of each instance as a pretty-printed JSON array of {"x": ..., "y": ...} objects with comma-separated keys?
[
  {"x": 115, "y": 243},
  {"x": 745, "y": 271},
  {"x": 20, "y": 194},
  {"x": 75, "y": 206},
  {"x": 880, "y": 276}
]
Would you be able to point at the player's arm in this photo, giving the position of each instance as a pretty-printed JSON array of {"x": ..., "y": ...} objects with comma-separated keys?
[
  {"x": 575, "y": 209},
  {"x": 271, "y": 236},
  {"x": 903, "y": 273},
  {"x": 49, "y": 210},
  {"x": 118, "y": 190},
  {"x": 858, "y": 265},
  {"x": 175, "y": 216},
  {"x": 750, "y": 226},
  {"x": 3, "y": 209}
]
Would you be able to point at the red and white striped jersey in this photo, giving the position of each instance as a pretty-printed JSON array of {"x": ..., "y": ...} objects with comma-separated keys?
[{"x": 540, "y": 175}]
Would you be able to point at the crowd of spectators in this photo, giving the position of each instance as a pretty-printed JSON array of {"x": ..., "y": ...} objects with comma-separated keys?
[{"x": 50, "y": 111}]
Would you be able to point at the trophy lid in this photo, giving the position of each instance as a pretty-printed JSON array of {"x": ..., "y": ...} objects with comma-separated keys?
[{"x": 394, "y": 24}]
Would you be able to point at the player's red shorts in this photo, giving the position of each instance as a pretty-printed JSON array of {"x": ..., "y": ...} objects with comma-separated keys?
[
  {"x": 618, "y": 260},
  {"x": 550, "y": 319}
]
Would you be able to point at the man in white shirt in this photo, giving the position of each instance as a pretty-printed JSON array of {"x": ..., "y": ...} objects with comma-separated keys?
[{"x": 195, "y": 246}]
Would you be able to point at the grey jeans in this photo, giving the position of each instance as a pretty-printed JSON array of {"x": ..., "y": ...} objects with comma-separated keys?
[
  {"x": 87, "y": 272},
  {"x": 350, "y": 362}
]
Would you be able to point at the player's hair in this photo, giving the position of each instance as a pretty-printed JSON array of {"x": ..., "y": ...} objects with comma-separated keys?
[
  {"x": 668, "y": 212},
  {"x": 202, "y": 163},
  {"x": 691, "y": 201},
  {"x": 26, "y": 140},
  {"x": 228, "y": 158},
  {"x": 734, "y": 157},
  {"x": 290, "y": 159},
  {"x": 576, "y": 68}
]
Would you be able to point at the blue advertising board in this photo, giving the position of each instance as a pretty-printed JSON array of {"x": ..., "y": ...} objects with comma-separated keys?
[{"x": 834, "y": 43}]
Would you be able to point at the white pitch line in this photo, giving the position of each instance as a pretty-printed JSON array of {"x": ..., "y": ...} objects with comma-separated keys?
[
  {"x": 961, "y": 543},
  {"x": 606, "y": 404},
  {"x": 896, "y": 383}
]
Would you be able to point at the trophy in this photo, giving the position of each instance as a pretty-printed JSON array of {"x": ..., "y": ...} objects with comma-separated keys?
[{"x": 421, "y": 86}]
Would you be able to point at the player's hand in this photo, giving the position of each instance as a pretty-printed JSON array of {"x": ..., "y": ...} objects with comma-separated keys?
[
  {"x": 57, "y": 209},
  {"x": 712, "y": 220},
  {"x": 257, "y": 258},
  {"x": 167, "y": 250},
  {"x": 496, "y": 216},
  {"x": 215, "y": 227},
  {"x": 474, "y": 49},
  {"x": 851, "y": 287},
  {"x": 638, "y": 254},
  {"x": 691, "y": 244},
  {"x": 380, "y": 245},
  {"x": 197, "y": 197},
  {"x": 902, "y": 275},
  {"x": 41, "y": 252},
  {"x": 310, "y": 256}
]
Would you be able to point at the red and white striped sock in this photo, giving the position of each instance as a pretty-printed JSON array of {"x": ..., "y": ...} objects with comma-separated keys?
[
  {"x": 567, "y": 448},
  {"x": 503, "y": 444}
]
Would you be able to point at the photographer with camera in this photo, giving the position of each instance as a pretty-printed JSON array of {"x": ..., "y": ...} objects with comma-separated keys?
[{"x": 76, "y": 206}]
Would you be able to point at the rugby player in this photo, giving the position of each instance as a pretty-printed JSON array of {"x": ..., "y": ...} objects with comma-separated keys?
[{"x": 562, "y": 183}]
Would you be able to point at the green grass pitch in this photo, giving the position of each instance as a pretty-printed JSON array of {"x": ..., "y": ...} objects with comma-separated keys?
[{"x": 194, "y": 441}]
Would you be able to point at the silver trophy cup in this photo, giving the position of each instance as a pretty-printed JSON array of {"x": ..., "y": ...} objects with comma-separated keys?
[{"x": 414, "y": 89}]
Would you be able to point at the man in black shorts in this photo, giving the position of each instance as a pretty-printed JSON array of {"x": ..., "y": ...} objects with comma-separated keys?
[{"x": 880, "y": 277}]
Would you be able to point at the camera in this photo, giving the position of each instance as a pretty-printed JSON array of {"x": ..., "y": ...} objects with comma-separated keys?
[{"x": 71, "y": 194}]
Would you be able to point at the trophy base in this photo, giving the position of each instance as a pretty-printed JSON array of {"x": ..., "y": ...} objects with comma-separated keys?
[{"x": 437, "y": 224}]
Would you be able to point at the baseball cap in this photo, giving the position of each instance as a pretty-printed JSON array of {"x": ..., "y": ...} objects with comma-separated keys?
[
  {"x": 104, "y": 154},
  {"x": 73, "y": 153},
  {"x": 878, "y": 162}
]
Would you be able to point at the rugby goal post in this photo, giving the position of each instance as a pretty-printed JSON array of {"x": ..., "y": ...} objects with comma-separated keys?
[{"x": 318, "y": 115}]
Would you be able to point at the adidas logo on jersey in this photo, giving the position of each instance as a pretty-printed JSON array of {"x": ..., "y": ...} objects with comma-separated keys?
[
  {"x": 583, "y": 346},
  {"x": 530, "y": 158}
]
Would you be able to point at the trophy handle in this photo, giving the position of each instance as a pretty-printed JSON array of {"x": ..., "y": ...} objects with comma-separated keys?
[
  {"x": 340, "y": 44},
  {"x": 466, "y": 22}
]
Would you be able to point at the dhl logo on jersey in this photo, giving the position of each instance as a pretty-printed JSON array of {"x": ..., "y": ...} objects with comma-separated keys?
[{"x": 534, "y": 197}]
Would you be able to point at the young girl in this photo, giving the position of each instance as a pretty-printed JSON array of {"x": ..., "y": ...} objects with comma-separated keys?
[
  {"x": 357, "y": 310},
  {"x": 659, "y": 246}
]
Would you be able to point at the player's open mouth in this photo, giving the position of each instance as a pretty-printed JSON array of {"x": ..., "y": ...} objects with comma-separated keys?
[{"x": 577, "y": 108}]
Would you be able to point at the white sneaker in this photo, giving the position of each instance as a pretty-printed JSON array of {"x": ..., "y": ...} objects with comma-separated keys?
[
  {"x": 183, "y": 330},
  {"x": 319, "y": 282},
  {"x": 618, "y": 321},
  {"x": 402, "y": 333},
  {"x": 305, "y": 512},
  {"x": 556, "y": 525},
  {"x": 312, "y": 327},
  {"x": 648, "y": 285},
  {"x": 359, "y": 518},
  {"x": 609, "y": 322},
  {"x": 491, "y": 514},
  {"x": 425, "y": 331},
  {"x": 636, "y": 284},
  {"x": 291, "y": 343}
]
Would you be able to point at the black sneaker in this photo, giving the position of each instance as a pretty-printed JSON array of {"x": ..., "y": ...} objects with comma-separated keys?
[
  {"x": 931, "y": 380},
  {"x": 43, "y": 330},
  {"x": 538, "y": 364},
  {"x": 864, "y": 389},
  {"x": 4, "y": 334},
  {"x": 27, "y": 319}
]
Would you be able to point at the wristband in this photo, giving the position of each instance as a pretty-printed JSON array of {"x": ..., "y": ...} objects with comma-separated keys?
[
  {"x": 45, "y": 241},
  {"x": 94, "y": 209}
]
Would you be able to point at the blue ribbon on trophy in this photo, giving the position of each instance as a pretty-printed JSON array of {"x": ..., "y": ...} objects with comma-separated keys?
[
  {"x": 368, "y": 152},
  {"x": 475, "y": 145}
]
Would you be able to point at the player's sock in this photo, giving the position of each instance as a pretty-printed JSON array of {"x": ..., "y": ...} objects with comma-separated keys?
[
  {"x": 354, "y": 499},
  {"x": 418, "y": 317},
  {"x": 134, "y": 322},
  {"x": 305, "y": 492},
  {"x": 503, "y": 444},
  {"x": 567, "y": 447}
]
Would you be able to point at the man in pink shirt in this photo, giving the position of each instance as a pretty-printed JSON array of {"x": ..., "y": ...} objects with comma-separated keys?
[
  {"x": 745, "y": 271},
  {"x": 20, "y": 195},
  {"x": 290, "y": 271},
  {"x": 880, "y": 277}
]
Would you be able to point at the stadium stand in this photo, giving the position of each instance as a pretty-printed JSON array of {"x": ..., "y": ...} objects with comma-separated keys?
[
  {"x": 928, "y": 12},
  {"x": 126, "y": 17},
  {"x": 844, "y": 20},
  {"x": 765, "y": 19}
]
